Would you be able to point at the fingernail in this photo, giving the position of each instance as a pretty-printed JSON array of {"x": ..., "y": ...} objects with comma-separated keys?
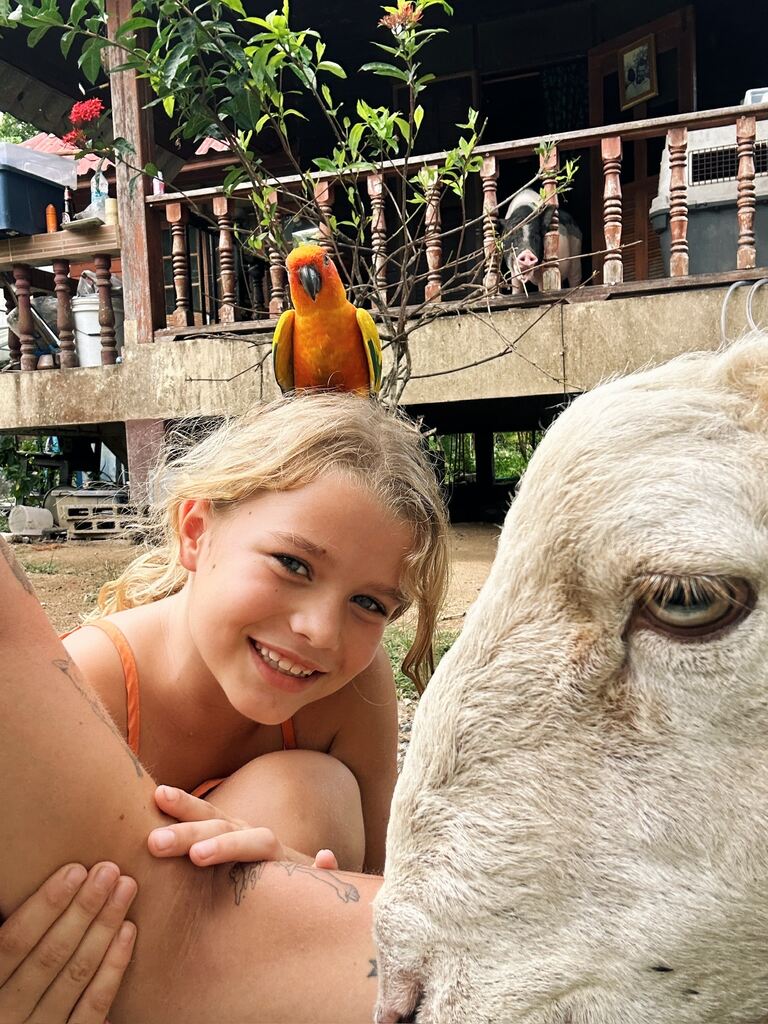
[
  {"x": 163, "y": 838},
  {"x": 167, "y": 792},
  {"x": 75, "y": 876},
  {"x": 127, "y": 933},
  {"x": 124, "y": 892},
  {"x": 105, "y": 878},
  {"x": 204, "y": 849}
]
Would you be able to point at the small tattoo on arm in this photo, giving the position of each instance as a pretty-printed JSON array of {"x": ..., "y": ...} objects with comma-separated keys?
[
  {"x": 68, "y": 668},
  {"x": 245, "y": 876},
  {"x": 15, "y": 568},
  {"x": 374, "y": 971}
]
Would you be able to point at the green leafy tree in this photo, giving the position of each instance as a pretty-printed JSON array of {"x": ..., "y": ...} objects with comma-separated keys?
[
  {"x": 220, "y": 72},
  {"x": 13, "y": 130}
]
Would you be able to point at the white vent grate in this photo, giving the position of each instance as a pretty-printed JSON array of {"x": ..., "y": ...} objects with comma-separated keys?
[{"x": 720, "y": 163}]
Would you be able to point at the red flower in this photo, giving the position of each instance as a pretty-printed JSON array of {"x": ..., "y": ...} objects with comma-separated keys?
[
  {"x": 86, "y": 111},
  {"x": 74, "y": 138},
  {"x": 405, "y": 15}
]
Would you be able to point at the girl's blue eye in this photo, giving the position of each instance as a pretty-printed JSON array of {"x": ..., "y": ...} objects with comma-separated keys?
[
  {"x": 294, "y": 565},
  {"x": 370, "y": 604}
]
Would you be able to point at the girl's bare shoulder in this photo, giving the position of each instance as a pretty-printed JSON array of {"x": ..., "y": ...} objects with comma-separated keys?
[{"x": 100, "y": 663}]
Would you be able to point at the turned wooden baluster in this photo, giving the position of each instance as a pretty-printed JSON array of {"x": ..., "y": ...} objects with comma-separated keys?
[
  {"x": 613, "y": 265},
  {"x": 177, "y": 216},
  {"x": 433, "y": 289},
  {"x": 65, "y": 324},
  {"x": 277, "y": 275},
  {"x": 489, "y": 175},
  {"x": 223, "y": 211},
  {"x": 103, "y": 264},
  {"x": 550, "y": 276},
  {"x": 14, "y": 349},
  {"x": 375, "y": 185},
  {"x": 324, "y": 201},
  {"x": 25, "y": 326},
  {"x": 746, "y": 256},
  {"x": 677, "y": 143}
]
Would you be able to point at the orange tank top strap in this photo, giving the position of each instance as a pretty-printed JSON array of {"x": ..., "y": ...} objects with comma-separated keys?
[
  {"x": 289, "y": 734},
  {"x": 130, "y": 675}
]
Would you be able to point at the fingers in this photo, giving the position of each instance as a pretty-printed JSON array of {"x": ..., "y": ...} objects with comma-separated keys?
[
  {"x": 183, "y": 806},
  {"x": 247, "y": 844},
  {"x": 27, "y": 925},
  {"x": 94, "y": 1004},
  {"x": 83, "y": 965},
  {"x": 52, "y": 953},
  {"x": 176, "y": 840},
  {"x": 326, "y": 859}
]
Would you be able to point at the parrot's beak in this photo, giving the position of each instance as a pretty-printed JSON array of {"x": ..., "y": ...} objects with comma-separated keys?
[{"x": 310, "y": 280}]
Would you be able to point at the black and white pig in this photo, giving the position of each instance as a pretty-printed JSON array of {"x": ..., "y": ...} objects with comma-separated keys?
[{"x": 524, "y": 243}]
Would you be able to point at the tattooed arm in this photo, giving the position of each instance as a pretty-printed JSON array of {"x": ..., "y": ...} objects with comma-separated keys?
[{"x": 291, "y": 949}]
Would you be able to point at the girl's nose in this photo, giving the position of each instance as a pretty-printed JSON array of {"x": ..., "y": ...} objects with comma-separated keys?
[{"x": 320, "y": 622}]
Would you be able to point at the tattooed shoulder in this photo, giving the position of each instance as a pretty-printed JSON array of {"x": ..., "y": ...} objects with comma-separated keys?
[
  {"x": 14, "y": 566},
  {"x": 245, "y": 876}
]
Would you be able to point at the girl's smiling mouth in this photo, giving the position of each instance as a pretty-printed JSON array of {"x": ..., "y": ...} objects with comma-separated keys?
[{"x": 284, "y": 671}]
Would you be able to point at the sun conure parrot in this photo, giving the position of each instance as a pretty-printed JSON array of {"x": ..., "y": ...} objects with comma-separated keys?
[{"x": 324, "y": 341}]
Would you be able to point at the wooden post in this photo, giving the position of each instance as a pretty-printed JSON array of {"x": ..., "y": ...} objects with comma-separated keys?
[
  {"x": 433, "y": 289},
  {"x": 223, "y": 212},
  {"x": 14, "y": 349},
  {"x": 177, "y": 217},
  {"x": 103, "y": 264},
  {"x": 746, "y": 256},
  {"x": 25, "y": 326},
  {"x": 677, "y": 143},
  {"x": 550, "y": 278},
  {"x": 277, "y": 275},
  {"x": 375, "y": 186},
  {"x": 64, "y": 320},
  {"x": 140, "y": 226},
  {"x": 144, "y": 441},
  {"x": 489, "y": 175},
  {"x": 613, "y": 265},
  {"x": 324, "y": 201}
]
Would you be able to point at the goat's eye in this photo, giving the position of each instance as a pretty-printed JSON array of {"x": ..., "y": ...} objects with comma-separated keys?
[{"x": 693, "y": 606}]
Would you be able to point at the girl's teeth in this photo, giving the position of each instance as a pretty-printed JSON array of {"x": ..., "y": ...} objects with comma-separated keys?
[{"x": 281, "y": 663}]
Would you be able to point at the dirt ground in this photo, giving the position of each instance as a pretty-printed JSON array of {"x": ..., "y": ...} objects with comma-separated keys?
[{"x": 67, "y": 576}]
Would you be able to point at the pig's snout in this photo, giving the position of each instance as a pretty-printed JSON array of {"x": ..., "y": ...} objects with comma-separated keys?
[{"x": 527, "y": 260}]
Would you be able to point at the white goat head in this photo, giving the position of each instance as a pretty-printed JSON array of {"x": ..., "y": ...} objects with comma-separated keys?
[{"x": 580, "y": 832}]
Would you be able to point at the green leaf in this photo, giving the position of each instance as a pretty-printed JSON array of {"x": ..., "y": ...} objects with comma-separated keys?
[
  {"x": 134, "y": 25},
  {"x": 387, "y": 70},
  {"x": 169, "y": 102},
  {"x": 332, "y": 68},
  {"x": 234, "y": 5},
  {"x": 90, "y": 59},
  {"x": 355, "y": 137},
  {"x": 36, "y": 35},
  {"x": 418, "y": 116},
  {"x": 324, "y": 164},
  {"x": 405, "y": 128}
]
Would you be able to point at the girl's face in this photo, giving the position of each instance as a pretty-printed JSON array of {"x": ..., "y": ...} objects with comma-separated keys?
[{"x": 290, "y": 592}]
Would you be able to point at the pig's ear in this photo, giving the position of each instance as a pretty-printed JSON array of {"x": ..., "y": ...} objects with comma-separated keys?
[
  {"x": 546, "y": 217},
  {"x": 744, "y": 368}
]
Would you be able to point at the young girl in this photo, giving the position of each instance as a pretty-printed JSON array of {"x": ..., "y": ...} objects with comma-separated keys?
[{"x": 243, "y": 653}]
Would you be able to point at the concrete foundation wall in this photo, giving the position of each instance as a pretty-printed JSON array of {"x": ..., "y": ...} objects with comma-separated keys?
[{"x": 571, "y": 348}]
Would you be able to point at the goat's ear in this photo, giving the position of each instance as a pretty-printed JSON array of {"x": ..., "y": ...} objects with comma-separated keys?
[{"x": 745, "y": 370}]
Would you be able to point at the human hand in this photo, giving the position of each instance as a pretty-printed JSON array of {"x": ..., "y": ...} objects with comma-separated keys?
[
  {"x": 64, "y": 951},
  {"x": 208, "y": 836}
]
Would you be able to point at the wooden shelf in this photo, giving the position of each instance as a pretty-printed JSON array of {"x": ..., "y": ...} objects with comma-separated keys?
[{"x": 39, "y": 250}]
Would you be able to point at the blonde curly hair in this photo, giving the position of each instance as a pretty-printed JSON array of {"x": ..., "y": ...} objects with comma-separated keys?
[{"x": 283, "y": 446}]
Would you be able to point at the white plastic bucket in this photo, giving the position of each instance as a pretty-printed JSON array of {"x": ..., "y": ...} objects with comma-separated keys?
[
  {"x": 85, "y": 312},
  {"x": 29, "y": 521}
]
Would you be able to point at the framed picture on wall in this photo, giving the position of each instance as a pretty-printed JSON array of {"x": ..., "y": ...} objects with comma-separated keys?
[{"x": 637, "y": 72}]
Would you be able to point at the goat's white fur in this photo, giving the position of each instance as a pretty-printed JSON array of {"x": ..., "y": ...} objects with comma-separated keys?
[{"x": 580, "y": 831}]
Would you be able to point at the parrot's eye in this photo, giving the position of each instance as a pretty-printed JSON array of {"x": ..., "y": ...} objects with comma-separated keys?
[{"x": 326, "y": 260}]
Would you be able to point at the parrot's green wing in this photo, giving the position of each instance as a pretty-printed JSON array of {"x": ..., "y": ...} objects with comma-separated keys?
[
  {"x": 282, "y": 351},
  {"x": 372, "y": 347}
]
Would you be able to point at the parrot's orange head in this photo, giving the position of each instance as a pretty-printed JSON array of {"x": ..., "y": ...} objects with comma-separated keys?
[{"x": 311, "y": 271}]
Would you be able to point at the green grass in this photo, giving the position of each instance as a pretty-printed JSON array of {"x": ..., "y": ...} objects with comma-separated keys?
[
  {"x": 49, "y": 568},
  {"x": 397, "y": 641}
]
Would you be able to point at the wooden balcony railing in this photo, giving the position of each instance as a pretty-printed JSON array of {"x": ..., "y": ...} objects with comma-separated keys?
[
  {"x": 608, "y": 141},
  {"x": 204, "y": 276},
  {"x": 19, "y": 258}
]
